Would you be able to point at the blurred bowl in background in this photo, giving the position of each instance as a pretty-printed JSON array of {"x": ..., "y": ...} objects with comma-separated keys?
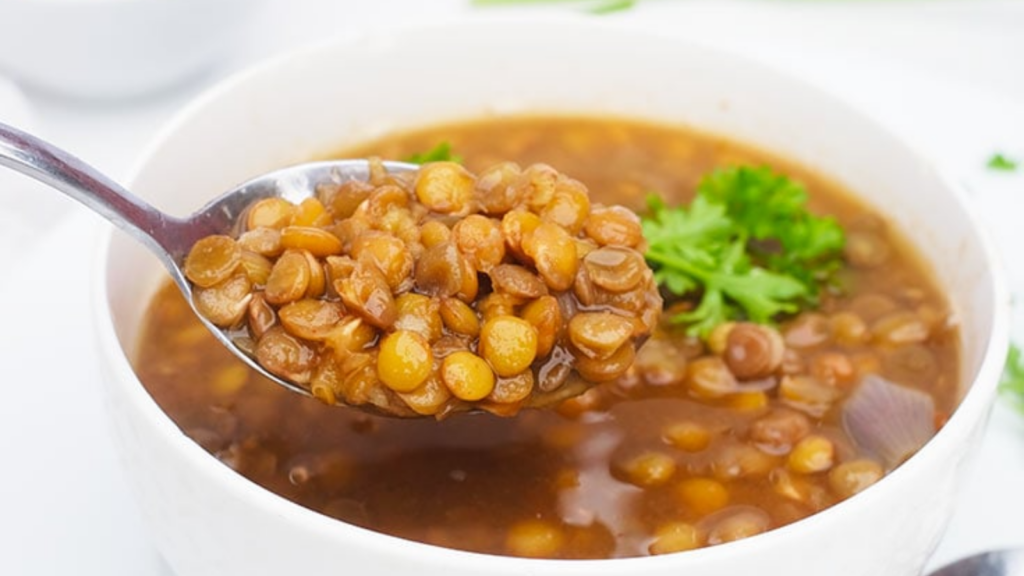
[{"x": 101, "y": 49}]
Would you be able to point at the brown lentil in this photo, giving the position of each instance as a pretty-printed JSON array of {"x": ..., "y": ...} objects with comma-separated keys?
[
  {"x": 273, "y": 213},
  {"x": 535, "y": 539},
  {"x": 688, "y": 435},
  {"x": 226, "y": 303},
  {"x": 445, "y": 187},
  {"x": 509, "y": 344},
  {"x": 459, "y": 318},
  {"x": 289, "y": 278},
  {"x": 703, "y": 496},
  {"x": 467, "y": 376},
  {"x": 212, "y": 260},
  {"x": 598, "y": 335},
  {"x": 405, "y": 361},
  {"x": 649, "y": 469},
  {"x": 311, "y": 319},
  {"x": 735, "y": 525},
  {"x": 778, "y": 431},
  {"x": 553, "y": 252},
  {"x": 812, "y": 454},
  {"x": 674, "y": 537},
  {"x": 615, "y": 226},
  {"x": 851, "y": 477},
  {"x": 753, "y": 351}
]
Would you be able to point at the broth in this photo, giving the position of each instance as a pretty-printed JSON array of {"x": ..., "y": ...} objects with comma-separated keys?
[{"x": 634, "y": 467}]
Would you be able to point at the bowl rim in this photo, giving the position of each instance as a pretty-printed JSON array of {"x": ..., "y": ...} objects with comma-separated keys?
[{"x": 975, "y": 403}]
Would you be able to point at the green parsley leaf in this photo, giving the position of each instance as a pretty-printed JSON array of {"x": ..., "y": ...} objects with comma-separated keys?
[
  {"x": 1000, "y": 162},
  {"x": 746, "y": 245},
  {"x": 512, "y": 2},
  {"x": 440, "y": 153},
  {"x": 704, "y": 223},
  {"x": 770, "y": 209},
  {"x": 612, "y": 6},
  {"x": 594, "y": 6},
  {"x": 1011, "y": 384}
]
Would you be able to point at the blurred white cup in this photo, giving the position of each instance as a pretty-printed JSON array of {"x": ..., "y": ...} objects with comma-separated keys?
[{"x": 102, "y": 49}]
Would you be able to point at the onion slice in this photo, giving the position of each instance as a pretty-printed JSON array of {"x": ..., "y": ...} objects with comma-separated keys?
[{"x": 887, "y": 420}]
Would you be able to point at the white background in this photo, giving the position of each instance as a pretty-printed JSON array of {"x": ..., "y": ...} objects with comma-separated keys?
[{"x": 948, "y": 74}]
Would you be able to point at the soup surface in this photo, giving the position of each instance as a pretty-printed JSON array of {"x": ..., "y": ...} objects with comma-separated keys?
[{"x": 655, "y": 462}]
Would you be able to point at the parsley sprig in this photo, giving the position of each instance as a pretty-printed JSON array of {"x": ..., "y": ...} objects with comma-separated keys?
[
  {"x": 440, "y": 153},
  {"x": 1011, "y": 384},
  {"x": 592, "y": 6},
  {"x": 746, "y": 245},
  {"x": 999, "y": 161}
]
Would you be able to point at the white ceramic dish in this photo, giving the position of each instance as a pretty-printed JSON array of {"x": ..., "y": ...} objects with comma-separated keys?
[
  {"x": 206, "y": 519},
  {"x": 115, "y": 48}
]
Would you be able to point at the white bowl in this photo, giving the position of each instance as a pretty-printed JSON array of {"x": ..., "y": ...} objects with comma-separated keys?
[
  {"x": 206, "y": 519},
  {"x": 115, "y": 48}
]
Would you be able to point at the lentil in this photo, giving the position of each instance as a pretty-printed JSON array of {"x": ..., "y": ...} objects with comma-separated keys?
[
  {"x": 212, "y": 260},
  {"x": 674, "y": 537},
  {"x": 405, "y": 361},
  {"x": 649, "y": 469},
  {"x": 851, "y": 477},
  {"x": 703, "y": 496},
  {"x": 467, "y": 376}
]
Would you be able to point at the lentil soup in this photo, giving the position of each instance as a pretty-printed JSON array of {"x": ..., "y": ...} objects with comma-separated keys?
[{"x": 666, "y": 458}]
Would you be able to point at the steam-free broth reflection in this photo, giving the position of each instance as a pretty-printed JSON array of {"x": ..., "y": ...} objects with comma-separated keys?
[{"x": 648, "y": 464}]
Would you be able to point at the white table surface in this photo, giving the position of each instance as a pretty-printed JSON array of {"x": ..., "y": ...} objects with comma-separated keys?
[{"x": 948, "y": 74}]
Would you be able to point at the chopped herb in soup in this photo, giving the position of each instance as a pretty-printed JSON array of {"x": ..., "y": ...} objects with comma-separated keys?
[
  {"x": 730, "y": 421},
  {"x": 745, "y": 244}
]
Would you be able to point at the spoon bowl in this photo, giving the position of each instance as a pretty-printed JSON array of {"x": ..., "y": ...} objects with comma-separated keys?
[
  {"x": 170, "y": 238},
  {"x": 1008, "y": 562}
]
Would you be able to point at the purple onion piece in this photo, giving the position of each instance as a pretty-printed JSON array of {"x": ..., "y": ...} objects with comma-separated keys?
[{"x": 887, "y": 420}]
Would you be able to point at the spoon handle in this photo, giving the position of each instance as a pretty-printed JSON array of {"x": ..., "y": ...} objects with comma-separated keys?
[{"x": 62, "y": 171}]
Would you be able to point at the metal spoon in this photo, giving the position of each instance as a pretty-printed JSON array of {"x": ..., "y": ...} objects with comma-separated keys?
[
  {"x": 168, "y": 237},
  {"x": 1008, "y": 562}
]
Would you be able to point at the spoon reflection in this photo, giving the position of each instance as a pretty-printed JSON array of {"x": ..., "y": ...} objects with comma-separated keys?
[{"x": 1008, "y": 562}]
